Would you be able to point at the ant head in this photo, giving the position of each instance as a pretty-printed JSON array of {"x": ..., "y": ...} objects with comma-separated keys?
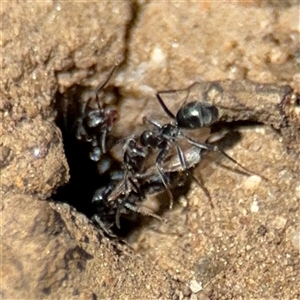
[
  {"x": 150, "y": 138},
  {"x": 195, "y": 115},
  {"x": 147, "y": 138}
]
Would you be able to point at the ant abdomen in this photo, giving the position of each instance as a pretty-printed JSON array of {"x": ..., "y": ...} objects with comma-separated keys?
[{"x": 195, "y": 115}]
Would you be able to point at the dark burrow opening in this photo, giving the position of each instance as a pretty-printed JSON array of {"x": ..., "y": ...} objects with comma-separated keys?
[
  {"x": 85, "y": 178},
  {"x": 84, "y": 173}
]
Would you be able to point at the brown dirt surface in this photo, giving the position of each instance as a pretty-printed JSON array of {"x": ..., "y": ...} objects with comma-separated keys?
[
  {"x": 39, "y": 256},
  {"x": 247, "y": 246},
  {"x": 35, "y": 163},
  {"x": 114, "y": 271},
  {"x": 234, "y": 250}
]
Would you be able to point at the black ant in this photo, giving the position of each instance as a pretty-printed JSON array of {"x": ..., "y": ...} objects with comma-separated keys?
[
  {"x": 129, "y": 187},
  {"x": 137, "y": 181},
  {"x": 163, "y": 141},
  {"x": 164, "y": 138},
  {"x": 108, "y": 211},
  {"x": 118, "y": 198},
  {"x": 94, "y": 124},
  {"x": 193, "y": 115}
]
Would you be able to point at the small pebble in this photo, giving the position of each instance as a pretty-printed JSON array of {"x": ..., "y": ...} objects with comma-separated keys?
[
  {"x": 158, "y": 57},
  {"x": 254, "y": 207},
  {"x": 195, "y": 286},
  {"x": 252, "y": 182},
  {"x": 296, "y": 239},
  {"x": 297, "y": 191},
  {"x": 279, "y": 222}
]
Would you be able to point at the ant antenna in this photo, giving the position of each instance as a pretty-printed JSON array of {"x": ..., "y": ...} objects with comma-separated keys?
[
  {"x": 102, "y": 85},
  {"x": 187, "y": 95},
  {"x": 163, "y": 105},
  {"x": 99, "y": 88}
]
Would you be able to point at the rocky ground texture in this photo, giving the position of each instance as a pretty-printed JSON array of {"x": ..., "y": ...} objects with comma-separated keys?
[{"x": 247, "y": 246}]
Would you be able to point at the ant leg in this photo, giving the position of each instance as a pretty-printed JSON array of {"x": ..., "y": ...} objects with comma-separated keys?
[
  {"x": 118, "y": 214},
  {"x": 161, "y": 156},
  {"x": 162, "y": 176},
  {"x": 143, "y": 211},
  {"x": 217, "y": 149},
  {"x": 80, "y": 133},
  {"x": 152, "y": 122},
  {"x": 103, "y": 226},
  {"x": 103, "y": 140},
  {"x": 84, "y": 106},
  {"x": 129, "y": 185},
  {"x": 189, "y": 173},
  {"x": 181, "y": 158},
  {"x": 134, "y": 186},
  {"x": 200, "y": 183},
  {"x": 102, "y": 85}
]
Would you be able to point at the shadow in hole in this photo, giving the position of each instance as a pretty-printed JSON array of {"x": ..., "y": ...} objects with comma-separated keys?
[{"x": 84, "y": 176}]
